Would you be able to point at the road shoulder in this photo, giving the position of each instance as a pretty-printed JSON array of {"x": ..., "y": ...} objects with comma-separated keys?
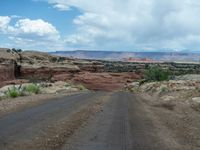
[{"x": 10, "y": 105}]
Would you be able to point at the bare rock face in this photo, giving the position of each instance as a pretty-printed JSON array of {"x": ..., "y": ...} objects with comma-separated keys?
[
  {"x": 193, "y": 77},
  {"x": 7, "y": 71},
  {"x": 46, "y": 72},
  {"x": 91, "y": 66},
  {"x": 38, "y": 65},
  {"x": 7, "y": 66},
  {"x": 62, "y": 77},
  {"x": 34, "y": 66}
]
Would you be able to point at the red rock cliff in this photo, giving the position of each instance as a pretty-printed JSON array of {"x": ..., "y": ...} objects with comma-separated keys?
[{"x": 7, "y": 71}]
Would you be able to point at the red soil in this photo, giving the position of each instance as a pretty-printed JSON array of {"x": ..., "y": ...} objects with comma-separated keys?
[{"x": 105, "y": 81}]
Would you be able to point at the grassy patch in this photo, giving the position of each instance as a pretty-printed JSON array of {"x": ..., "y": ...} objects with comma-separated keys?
[
  {"x": 32, "y": 88},
  {"x": 13, "y": 92}
]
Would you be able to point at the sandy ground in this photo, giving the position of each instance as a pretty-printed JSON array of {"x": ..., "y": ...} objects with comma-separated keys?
[{"x": 179, "y": 117}]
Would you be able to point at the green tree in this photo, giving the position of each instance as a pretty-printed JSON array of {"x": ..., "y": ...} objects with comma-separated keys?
[{"x": 156, "y": 74}]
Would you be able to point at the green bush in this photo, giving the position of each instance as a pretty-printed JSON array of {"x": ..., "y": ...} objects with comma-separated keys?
[
  {"x": 19, "y": 91},
  {"x": 32, "y": 88},
  {"x": 13, "y": 92},
  {"x": 53, "y": 59},
  {"x": 156, "y": 74}
]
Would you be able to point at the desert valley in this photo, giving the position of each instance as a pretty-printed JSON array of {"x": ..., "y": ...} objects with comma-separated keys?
[{"x": 36, "y": 82}]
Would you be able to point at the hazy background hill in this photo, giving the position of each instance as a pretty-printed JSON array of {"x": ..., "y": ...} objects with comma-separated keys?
[{"x": 112, "y": 55}]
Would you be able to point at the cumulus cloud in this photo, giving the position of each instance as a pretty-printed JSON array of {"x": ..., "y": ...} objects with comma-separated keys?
[
  {"x": 135, "y": 24},
  {"x": 4, "y": 24},
  {"x": 39, "y": 28},
  {"x": 30, "y": 32}
]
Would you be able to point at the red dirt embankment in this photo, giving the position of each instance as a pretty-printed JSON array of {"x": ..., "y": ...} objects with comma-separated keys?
[{"x": 105, "y": 81}]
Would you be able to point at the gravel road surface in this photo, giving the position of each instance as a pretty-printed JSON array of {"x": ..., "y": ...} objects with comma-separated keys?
[{"x": 87, "y": 121}]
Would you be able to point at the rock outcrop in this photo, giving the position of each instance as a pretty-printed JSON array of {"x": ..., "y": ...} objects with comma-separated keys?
[
  {"x": 46, "y": 72},
  {"x": 94, "y": 74},
  {"x": 7, "y": 71},
  {"x": 33, "y": 65}
]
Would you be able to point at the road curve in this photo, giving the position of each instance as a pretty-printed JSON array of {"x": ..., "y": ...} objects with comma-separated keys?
[{"x": 123, "y": 124}]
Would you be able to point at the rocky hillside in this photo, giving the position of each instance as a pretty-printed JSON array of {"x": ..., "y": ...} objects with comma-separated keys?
[
  {"x": 94, "y": 74},
  {"x": 183, "y": 89},
  {"x": 32, "y": 64},
  {"x": 38, "y": 66}
]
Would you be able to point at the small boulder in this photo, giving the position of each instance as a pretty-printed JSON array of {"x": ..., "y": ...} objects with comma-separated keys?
[{"x": 196, "y": 99}]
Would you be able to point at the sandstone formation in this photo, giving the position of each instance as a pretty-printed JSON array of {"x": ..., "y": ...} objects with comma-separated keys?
[
  {"x": 7, "y": 71},
  {"x": 7, "y": 65},
  {"x": 94, "y": 74}
]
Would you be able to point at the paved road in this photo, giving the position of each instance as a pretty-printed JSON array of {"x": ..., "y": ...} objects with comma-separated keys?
[{"x": 123, "y": 124}]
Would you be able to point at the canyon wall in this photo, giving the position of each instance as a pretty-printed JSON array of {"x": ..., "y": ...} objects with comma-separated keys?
[{"x": 7, "y": 71}]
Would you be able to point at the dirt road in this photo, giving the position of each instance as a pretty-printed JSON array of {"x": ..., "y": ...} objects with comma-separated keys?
[{"x": 89, "y": 121}]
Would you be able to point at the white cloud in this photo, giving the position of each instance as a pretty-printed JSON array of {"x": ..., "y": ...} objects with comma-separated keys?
[
  {"x": 61, "y": 5},
  {"x": 135, "y": 24},
  {"x": 39, "y": 28},
  {"x": 30, "y": 33},
  {"x": 4, "y": 23}
]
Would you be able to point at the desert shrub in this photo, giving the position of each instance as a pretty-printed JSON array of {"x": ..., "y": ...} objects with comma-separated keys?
[
  {"x": 16, "y": 50},
  {"x": 156, "y": 74},
  {"x": 32, "y": 88},
  {"x": 142, "y": 82},
  {"x": 8, "y": 50},
  {"x": 13, "y": 92},
  {"x": 81, "y": 87},
  {"x": 61, "y": 59},
  {"x": 53, "y": 59}
]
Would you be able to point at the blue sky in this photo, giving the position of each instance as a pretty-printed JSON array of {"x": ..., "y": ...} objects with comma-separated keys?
[
  {"x": 121, "y": 25},
  {"x": 22, "y": 9},
  {"x": 39, "y": 10}
]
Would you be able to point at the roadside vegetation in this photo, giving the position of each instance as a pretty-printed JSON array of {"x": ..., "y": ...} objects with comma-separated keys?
[
  {"x": 30, "y": 89},
  {"x": 43, "y": 88},
  {"x": 154, "y": 74},
  {"x": 157, "y": 74},
  {"x": 13, "y": 92}
]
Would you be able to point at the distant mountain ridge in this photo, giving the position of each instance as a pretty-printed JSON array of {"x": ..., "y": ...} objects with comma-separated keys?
[{"x": 113, "y": 55}]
